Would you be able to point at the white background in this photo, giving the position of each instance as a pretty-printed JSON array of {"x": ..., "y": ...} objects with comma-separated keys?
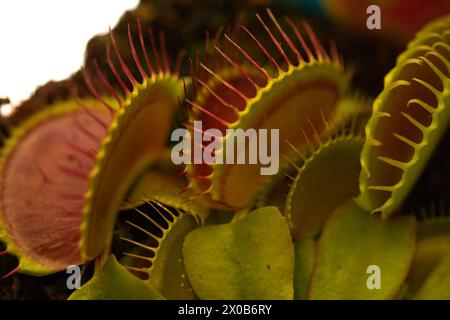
[{"x": 42, "y": 40}]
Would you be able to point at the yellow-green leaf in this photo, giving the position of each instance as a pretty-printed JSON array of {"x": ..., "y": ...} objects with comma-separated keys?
[
  {"x": 114, "y": 282},
  {"x": 305, "y": 249},
  {"x": 249, "y": 258},
  {"x": 353, "y": 244},
  {"x": 326, "y": 179},
  {"x": 433, "y": 244},
  {"x": 437, "y": 285}
]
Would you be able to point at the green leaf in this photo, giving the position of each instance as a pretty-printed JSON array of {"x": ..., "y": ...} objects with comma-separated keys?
[
  {"x": 114, "y": 282},
  {"x": 327, "y": 178},
  {"x": 305, "y": 249},
  {"x": 437, "y": 285},
  {"x": 352, "y": 241},
  {"x": 167, "y": 273},
  {"x": 249, "y": 258},
  {"x": 433, "y": 244}
]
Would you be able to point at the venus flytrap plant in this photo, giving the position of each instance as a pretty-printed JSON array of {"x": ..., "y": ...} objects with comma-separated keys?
[
  {"x": 238, "y": 260},
  {"x": 353, "y": 107},
  {"x": 409, "y": 118},
  {"x": 135, "y": 139},
  {"x": 154, "y": 247},
  {"x": 44, "y": 171},
  {"x": 162, "y": 182},
  {"x": 255, "y": 256},
  {"x": 89, "y": 153},
  {"x": 114, "y": 282},
  {"x": 173, "y": 242},
  {"x": 323, "y": 247},
  {"x": 342, "y": 261},
  {"x": 311, "y": 201},
  {"x": 433, "y": 244},
  {"x": 307, "y": 84},
  {"x": 305, "y": 253},
  {"x": 437, "y": 283}
]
